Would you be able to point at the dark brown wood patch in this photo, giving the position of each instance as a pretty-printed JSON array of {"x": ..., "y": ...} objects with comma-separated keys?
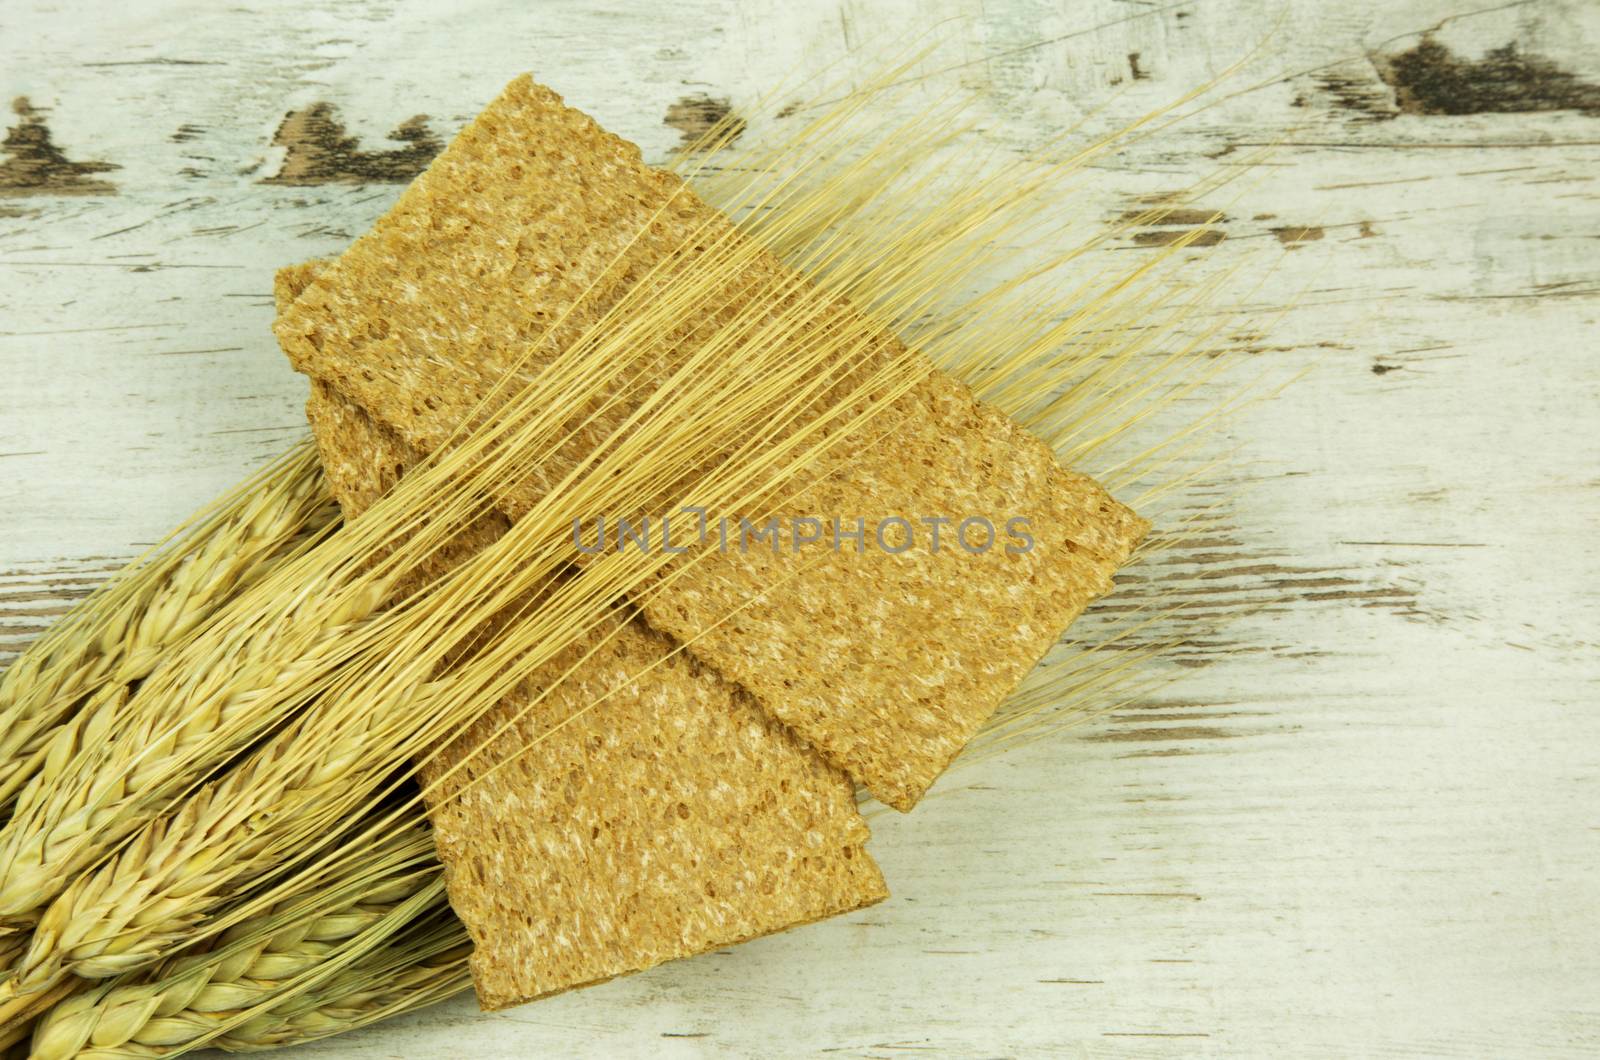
[
  {"x": 1431, "y": 79},
  {"x": 31, "y": 163},
  {"x": 320, "y": 151},
  {"x": 1294, "y": 235},
  {"x": 1166, "y": 237},
  {"x": 696, "y": 115}
]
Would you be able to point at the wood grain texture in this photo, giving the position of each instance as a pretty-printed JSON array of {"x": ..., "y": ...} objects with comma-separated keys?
[{"x": 1362, "y": 821}]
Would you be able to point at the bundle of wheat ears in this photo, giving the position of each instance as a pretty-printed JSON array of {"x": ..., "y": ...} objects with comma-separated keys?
[{"x": 397, "y": 717}]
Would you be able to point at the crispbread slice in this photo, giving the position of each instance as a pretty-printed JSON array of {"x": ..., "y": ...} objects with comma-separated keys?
[
  {"x": 674, "y": 818},
  {"x": 645, "y": 809},
  {"x": 887, "y": 664},
  {"x": 892, "y": 662}
]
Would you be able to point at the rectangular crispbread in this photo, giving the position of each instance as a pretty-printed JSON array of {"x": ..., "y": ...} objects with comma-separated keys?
[
  {"x": 886, "y": 663},
  {"x": 645, "y": 809}
]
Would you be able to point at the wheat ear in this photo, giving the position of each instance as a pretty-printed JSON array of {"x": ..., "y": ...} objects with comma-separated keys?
[
  {"x": 147, "y": 899},
  {"x": 106, "y": 789},
  {"x": 121, "y": 632},
  {"x": 425, "y": 967},
  {"x": 321, "y": 993},
  {"x": 258, "y": 962}
]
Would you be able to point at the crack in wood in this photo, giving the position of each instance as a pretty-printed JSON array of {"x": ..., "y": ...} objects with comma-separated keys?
[{"x": 1161, "y": 733}]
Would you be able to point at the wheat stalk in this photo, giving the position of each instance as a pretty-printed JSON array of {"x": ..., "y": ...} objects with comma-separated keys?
[
  {"x": 184, "y": 864},
  {"x": 122, "y": 632},
  {"x": 133, "y": 909}
]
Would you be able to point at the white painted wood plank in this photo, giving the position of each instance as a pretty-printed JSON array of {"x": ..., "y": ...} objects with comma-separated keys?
[{"x": 1367, "y": 826}]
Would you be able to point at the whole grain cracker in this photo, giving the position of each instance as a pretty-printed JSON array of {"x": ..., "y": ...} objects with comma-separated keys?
[{"x": 887, "y": 664}]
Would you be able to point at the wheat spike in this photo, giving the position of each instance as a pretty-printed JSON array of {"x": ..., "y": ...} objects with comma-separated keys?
[
  {"x": 260, "y": 961},
  {"x": 427, "y": 967},
  {"x": 147, "y": 899},
  {"x": 105, "y": 789},
  {"x": 120, "y": 633},
  {"x": 309, "y": 969}
]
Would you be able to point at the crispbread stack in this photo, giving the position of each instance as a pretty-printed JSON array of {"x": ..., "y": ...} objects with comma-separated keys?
[
  {"x": 524, "y": 232},
  {"x": 636, "y": 810}
]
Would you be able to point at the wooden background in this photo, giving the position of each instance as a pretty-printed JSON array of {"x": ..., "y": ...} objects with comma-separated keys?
[{"x": 1365, "y": 821}]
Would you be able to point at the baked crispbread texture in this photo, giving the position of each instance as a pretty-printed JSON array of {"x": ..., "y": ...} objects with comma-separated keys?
[
  {"x": 668, "y": 817},
  {"x": 887, "y": 664}
]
